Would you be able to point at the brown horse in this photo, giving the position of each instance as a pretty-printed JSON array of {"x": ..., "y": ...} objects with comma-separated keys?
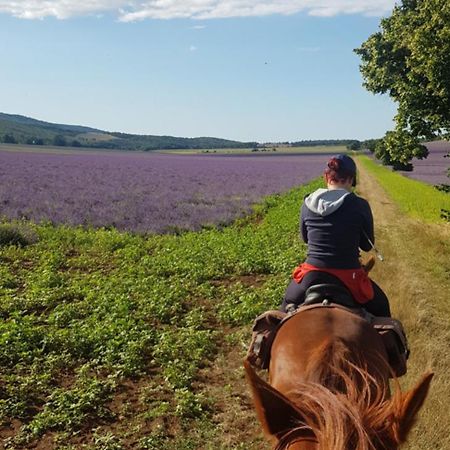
[{"x": 329, "y": 387}]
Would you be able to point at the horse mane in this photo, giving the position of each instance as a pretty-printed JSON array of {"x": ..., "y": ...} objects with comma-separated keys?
[{"x": 348, "y": 406}]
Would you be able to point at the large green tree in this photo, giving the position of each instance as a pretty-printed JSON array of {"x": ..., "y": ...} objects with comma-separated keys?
[{"x": 409, "y": 59}]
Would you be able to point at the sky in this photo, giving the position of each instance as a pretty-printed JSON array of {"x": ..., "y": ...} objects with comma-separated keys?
[{"x": 249, "y": 70}]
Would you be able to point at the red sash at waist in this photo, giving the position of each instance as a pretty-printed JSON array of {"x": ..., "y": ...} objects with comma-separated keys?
[{"x": 355, "y": 280}]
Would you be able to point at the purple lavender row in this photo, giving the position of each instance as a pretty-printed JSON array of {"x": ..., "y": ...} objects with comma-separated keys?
[
  {"x": 144, "y": 192},
  {"x": 434, "y": 168}
]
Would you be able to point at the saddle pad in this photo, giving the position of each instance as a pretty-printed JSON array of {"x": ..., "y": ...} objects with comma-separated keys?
[
  {"x": 266, "y": 325},
  {"x": 395, "y": 341},
  {"x": 265, "y": 328}
]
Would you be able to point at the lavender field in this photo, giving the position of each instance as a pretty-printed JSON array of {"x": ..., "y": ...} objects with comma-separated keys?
[
  {"x": 433, "y": 169},
  {"x": 144, "y": 192}
]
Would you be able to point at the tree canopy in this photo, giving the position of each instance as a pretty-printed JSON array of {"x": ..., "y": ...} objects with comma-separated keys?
[{"x": 409, "y": 59}]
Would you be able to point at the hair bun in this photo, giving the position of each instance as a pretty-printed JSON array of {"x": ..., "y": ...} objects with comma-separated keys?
[{"x": 333, "y": 164}]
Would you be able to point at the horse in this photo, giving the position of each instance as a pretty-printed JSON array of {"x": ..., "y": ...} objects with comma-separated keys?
[{"x": 329, "y": 389}]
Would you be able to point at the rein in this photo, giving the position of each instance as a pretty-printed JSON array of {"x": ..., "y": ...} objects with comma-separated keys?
[{"x": 377, "y": 252}]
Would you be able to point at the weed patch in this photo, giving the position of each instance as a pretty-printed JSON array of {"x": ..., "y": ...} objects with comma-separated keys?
[{"x": 16, "y": 234}]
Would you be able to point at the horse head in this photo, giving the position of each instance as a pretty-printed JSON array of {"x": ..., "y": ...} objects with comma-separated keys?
[
  {"x": 294, "y": 425},
  {"x": 348, "y": 406}
]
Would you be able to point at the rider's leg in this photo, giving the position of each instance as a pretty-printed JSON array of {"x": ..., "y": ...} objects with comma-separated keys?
[
  {"x": 294, "y": 295},
  {"x": 379, "y": 305}
]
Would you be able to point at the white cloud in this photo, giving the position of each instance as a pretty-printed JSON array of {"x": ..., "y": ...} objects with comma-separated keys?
[
  {"x": 61, "y": 9},
  {"x": 133, "y": 10},
  {"x": 192, "y": 48}
]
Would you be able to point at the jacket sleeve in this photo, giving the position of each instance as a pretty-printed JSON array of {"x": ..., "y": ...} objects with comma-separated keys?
[
  {"x": 303, "y": 230},
  {"x": 367, "y": 230}
]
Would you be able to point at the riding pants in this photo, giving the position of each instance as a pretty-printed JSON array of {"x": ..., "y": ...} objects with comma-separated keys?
[{"x": 295, "y": 293}]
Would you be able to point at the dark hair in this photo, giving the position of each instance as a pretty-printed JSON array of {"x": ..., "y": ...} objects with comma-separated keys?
[{"x": 340, "y": 168}]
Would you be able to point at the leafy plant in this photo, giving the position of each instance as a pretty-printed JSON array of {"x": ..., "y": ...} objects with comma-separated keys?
[{"x": 16, "y": 234}]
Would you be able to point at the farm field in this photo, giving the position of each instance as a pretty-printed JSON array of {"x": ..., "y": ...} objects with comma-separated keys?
[
  {"x": 111, "y": 340},
  {"x": 433, "y": 169},
  {"x": 144, "y": 192}
]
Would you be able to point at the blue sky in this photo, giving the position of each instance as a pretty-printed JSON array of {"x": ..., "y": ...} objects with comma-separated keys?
[{"x": 219, "y": 68}]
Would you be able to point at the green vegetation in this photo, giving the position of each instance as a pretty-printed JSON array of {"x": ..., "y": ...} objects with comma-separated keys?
[
  {"x": 418, "y": 199},
  {"x": 15, "y": 129},
  {"x": 16, "y": 234},
  {"x": 414, "y": 275},
  {"x": 106, "y": 334},
  {"x": 408, "y": 60}
]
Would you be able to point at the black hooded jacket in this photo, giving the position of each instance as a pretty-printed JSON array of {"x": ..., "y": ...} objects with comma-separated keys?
[{"x": 336, "y": 224}]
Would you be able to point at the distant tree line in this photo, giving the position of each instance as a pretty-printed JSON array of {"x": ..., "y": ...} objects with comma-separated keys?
[
  {"x": 123, "y": 141},
  {"x": 9, "y": 139},
  {"x": 58, "y": 140},
  {"x": 351, "y": 144},
  {"x": 62, "y": 136},
  {"x": 325, "y": 142},
  {"x": 16, "y": 129}
]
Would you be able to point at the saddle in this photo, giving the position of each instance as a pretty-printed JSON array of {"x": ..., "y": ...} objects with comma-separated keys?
[{"x": 266, "y": 326}]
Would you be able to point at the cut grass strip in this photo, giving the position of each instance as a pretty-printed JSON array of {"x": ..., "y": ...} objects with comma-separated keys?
[{"x": 414, "y": 275}]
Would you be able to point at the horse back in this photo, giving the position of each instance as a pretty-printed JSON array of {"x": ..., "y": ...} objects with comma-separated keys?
[{"x": 318, "y": 338}]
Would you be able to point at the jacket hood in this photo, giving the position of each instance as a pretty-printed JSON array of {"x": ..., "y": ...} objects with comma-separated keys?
[{"x": 325, "y": 202}]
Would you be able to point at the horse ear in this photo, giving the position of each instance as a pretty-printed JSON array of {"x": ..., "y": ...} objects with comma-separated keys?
[
  {"x": 276, "y": 412},
  {"x": 411, "y": 403}
]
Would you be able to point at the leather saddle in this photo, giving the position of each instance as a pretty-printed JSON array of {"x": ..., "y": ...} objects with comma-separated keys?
[
  {"x": 267, "y": 324},
  {"x": 333, "y": 293}
]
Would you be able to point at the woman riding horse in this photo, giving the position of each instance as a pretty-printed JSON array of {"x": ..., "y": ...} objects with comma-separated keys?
[
  {"x": 329, "y": 371},
  {"x": 335, "y": 223}
]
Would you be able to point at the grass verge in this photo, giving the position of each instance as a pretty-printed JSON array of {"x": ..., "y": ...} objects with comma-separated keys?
[
  {"x": 415, "y": 276},
  {"x": 415, "y": 198}
]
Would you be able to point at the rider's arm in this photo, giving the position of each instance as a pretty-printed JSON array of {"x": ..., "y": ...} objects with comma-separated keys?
[
  {"x": 303, "y": 230},
  {"x": 367, "y": 231}
]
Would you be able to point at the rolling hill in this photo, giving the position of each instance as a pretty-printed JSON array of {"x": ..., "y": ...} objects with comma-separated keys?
[{"x": 25, "y": 130}]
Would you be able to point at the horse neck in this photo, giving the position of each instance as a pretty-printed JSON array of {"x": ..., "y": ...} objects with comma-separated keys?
[
  {"x": 345, "y": 390},
  {"x": 348, "y": 401}
]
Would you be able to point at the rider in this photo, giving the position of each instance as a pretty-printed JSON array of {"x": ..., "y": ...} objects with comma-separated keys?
[{"x": 335, "y": 224}]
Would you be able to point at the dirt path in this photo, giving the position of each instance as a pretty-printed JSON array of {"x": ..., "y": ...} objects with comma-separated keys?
[{"x": 416, "y": 277}]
